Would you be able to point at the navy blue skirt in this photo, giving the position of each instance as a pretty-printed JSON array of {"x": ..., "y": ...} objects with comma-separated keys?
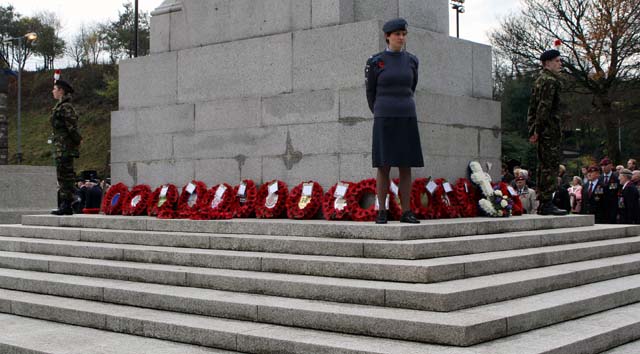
[{"x": 396, "y": 142}]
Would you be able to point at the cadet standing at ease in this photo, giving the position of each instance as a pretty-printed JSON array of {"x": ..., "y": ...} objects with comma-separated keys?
[
  {"x": 543, "y": 120},
  {"x": 66, "y": 139}
]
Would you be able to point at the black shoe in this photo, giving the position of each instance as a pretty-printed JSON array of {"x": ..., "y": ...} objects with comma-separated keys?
[
  {"x": 63, "y": 209},
  {"x": 382, "y": 217},
  {"x": 551, "y": 209},
  {"x": 409, "y": 217}
]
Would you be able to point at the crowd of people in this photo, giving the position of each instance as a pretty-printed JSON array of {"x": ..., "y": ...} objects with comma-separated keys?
[
  {"x": 610, "y": 193},
  {"x": 88, "y": 193}
]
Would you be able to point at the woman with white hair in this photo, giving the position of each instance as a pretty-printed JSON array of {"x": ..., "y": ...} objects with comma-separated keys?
[{"x": 575, "y": 194}]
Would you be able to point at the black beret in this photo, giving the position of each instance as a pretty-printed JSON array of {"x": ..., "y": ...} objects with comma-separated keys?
[
  {"x": 549, "y": 55},
  {"x": 64, "y": 85},
  {"x": 399, "y": 24}
]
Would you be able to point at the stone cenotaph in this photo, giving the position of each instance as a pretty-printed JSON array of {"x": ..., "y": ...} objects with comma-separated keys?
[{"x": 274, "y": 89}]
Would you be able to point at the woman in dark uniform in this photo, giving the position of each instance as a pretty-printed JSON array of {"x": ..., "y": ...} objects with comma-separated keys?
[{"x": 391, "y": 78}]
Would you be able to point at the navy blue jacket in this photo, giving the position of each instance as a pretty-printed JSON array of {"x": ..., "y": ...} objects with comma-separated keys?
[{"x": 391, "y": 79}]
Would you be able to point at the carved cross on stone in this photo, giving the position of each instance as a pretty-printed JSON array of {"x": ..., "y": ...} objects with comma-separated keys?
[{"x": 290, "y": 156}]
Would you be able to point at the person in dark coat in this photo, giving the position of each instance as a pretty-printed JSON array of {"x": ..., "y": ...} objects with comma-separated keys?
[
  {"x": 611, "y": 187},
  {"x": 628, "y": 203},
  {"x": 593, "y": 196},
  {"x": 561, "y": 197},
  {"x": 391, "y": 78},
  {"x": 93, "y": 195}
]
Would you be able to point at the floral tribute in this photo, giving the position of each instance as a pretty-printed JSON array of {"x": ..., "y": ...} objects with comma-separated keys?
[
  {"x": 246, "y": 195},
  {"x": 272, "y": 200},
  {"x": 136, "y": 202},
  {"x": 162, "y": 202},
  {"x": 192, "y": 199},
  {"x": 466, "y": 198},
  {"x": 220, "y": 205},
  {"x": 334, "y": 203},
  {"x": 444, "y": 201},
  {"x": 494, "y": 203},
  {"x": 304, "y": 200},
  {"x": 114, "y": 198},
  {"x": 513, "y": 194},
  {"x": 421, "y": 199},
  {"x": 356, "y": 197}
]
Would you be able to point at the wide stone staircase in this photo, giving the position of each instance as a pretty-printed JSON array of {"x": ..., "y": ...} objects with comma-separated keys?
[{"x": 90, "y": 284}]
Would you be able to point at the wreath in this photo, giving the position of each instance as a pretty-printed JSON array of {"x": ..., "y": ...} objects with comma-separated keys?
[
  {"x": 114, "y": 198},
  {"x": 192, "y": 199},
  {"x": 272, "y": 200},
  {"x": 304, "y": 205},
  {"x": 220, "y": 206},
  {"x": 136, "y": 202},
  {"x": 443, "y": 203},
  {"x": 422, "y": 202},
  {"x": 246, "y": 194},
  {"x": 356, "y": 196},
  {"x": 334, "y": 207},
  {"x": 465, "y": 194},
  {"x": 517, "y": 209},
  {"x": 163, "y": 206}
]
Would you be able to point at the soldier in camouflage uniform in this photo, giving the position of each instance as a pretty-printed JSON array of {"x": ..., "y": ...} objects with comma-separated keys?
[
  {"x": 543, "y": 120},
  {"x": 67, "y": 139}
]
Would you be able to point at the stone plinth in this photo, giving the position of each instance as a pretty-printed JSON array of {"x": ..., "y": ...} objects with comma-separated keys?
[
  {"x": 26, "y": 190},
  {"x": 280, "y": 93}
]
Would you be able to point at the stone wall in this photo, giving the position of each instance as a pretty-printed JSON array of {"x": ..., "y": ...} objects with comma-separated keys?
[
  {"x": 274, "y": 89},
  {"x": 26, "y": 190}
]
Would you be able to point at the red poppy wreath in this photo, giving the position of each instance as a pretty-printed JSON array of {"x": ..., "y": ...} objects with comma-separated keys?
[
  {"x": 272, "y": 200},
  {"x": 136, "y": 202},
  {"x": 220, "y": 206},
  {"x": 422, "y": 201},
  {"x": 246, "y": 195},
  {"x": 192, "y": 199},
  {"x": 162, "y": 202},
  {"x": 465, "y": 198},
  {"x": 304, "y": 200},
  {"x": 443, "y": 201},
  {"x": 334, "y": 202},
  {"x": 357, "y": 196},
  {"x": 114, "y": 198}
]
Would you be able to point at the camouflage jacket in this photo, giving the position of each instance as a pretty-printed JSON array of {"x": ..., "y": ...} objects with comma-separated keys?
[
  {"x": 544, "y": 105},
  {"x": 64, "y": 122}
]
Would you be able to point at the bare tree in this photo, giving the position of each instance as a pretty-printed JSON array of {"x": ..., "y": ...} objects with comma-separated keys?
[
  {"x": 75, "y": 49},
  {"x": 601, "y": 47}
]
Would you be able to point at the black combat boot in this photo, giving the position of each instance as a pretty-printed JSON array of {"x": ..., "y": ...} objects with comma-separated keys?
[
  {"x": 382, "y": 217},
  {"x": 63, "y": 209},
  {"x": 550, "y": 209},
  {"x": 409, "y": 217}
]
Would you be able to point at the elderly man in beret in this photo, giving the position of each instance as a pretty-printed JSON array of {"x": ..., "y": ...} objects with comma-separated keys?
[
  {"x": 543, "y": 120},
  {"x": 628, "y": 199},
  {"x": 611, "y": 187},
  {"x": 592, "y": 195}
]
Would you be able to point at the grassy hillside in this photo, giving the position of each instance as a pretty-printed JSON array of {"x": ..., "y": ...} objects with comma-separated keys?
[{"x": 94, "y": 100}]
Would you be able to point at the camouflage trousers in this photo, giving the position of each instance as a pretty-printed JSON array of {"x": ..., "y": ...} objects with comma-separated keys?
[
  {"x": 548, "y": 164},
  {"x": 66, "y": 178}
]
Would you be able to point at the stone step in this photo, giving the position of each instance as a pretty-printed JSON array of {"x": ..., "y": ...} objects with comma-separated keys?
[
  {"x": 629, "y": 348},
  {"x": 319, "y": 228},
  {"x": 463, "y": 328},
  {"x": 444, "y": 296},
  {"x": 410, "y": 249},
  {"x": 22, "y": 335},
  {"x": 417, "y": 271}
]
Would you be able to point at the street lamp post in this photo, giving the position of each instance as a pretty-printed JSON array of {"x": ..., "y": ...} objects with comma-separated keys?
[
  {"x": 135, "y": 52},
  {"x": 29, "y": 37},
  {"x": 457, "y": 5}
]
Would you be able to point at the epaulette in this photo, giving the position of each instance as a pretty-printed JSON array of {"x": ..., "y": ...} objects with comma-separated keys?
[
  {"x": 374, "y": 58},
  {"x": 413, "y": 58}
]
